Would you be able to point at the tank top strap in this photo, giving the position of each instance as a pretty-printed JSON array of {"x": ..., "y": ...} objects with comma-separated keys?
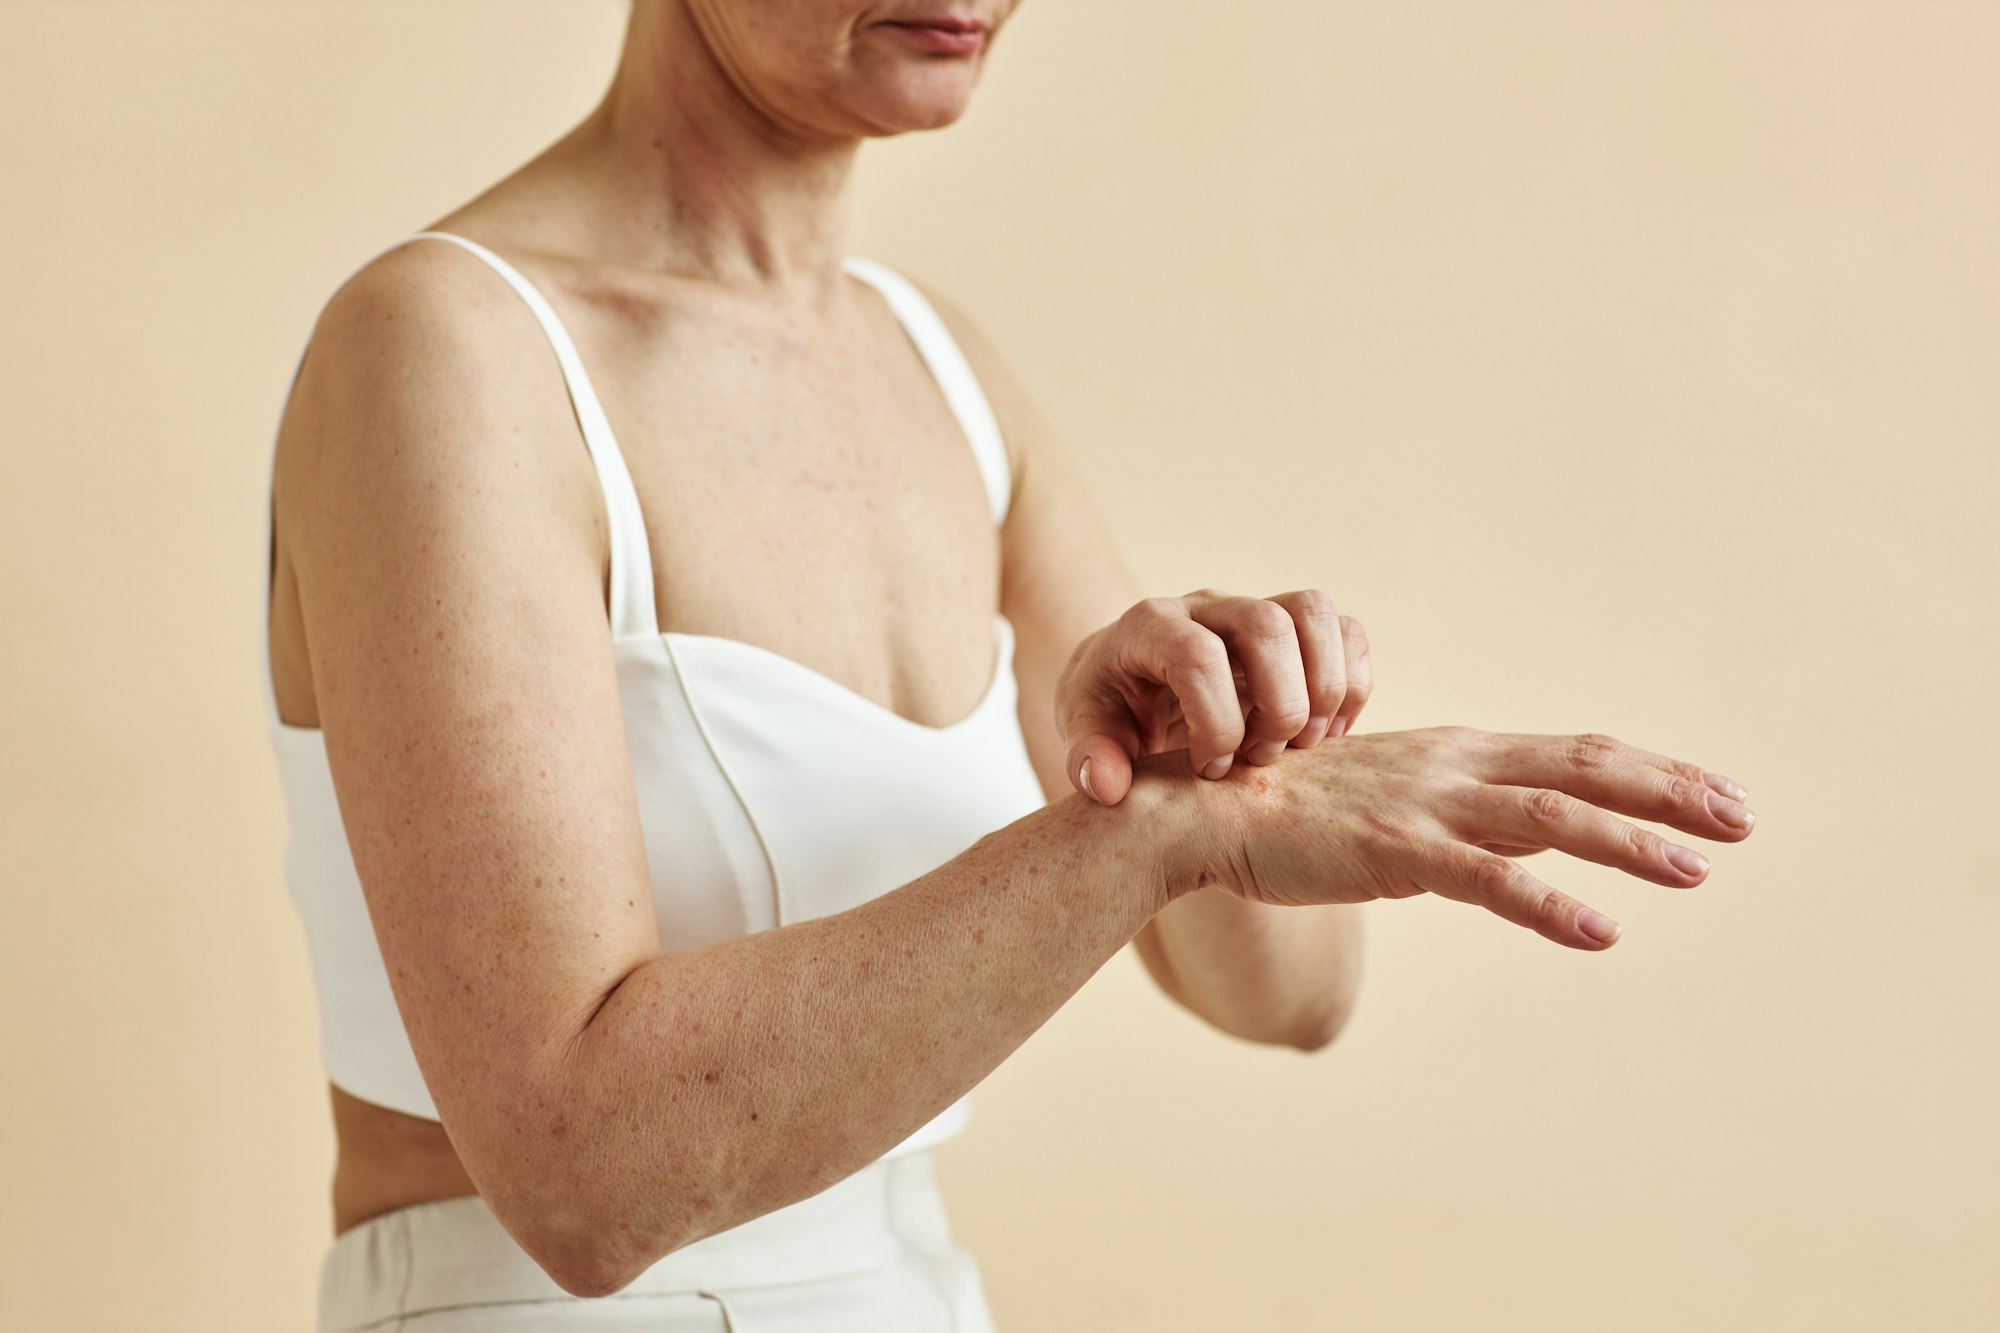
[
  {"x": 633, "y": 611},
  {"x": 952, "y": 372}
]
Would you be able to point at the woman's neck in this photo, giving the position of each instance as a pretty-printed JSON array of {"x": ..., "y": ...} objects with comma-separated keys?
[{"x": 699, "y": 180}]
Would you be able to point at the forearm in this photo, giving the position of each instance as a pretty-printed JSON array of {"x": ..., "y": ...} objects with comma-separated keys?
[
  {"x": 719, "y": 1083},
  {"x": 1282, "y": 975}
]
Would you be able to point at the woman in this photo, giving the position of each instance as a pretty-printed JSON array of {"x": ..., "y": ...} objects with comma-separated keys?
[{"x": 652, "y": 962}]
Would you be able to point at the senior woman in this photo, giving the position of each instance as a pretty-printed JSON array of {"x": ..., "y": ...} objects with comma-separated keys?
[{"x": 684, "y": 823}]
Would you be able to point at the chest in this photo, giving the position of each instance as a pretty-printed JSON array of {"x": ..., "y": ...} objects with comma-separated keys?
[{"x": 808, "y": 489}]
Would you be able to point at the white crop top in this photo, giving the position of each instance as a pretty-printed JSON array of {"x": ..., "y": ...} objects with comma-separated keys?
[{"x": 769, "y": 793}]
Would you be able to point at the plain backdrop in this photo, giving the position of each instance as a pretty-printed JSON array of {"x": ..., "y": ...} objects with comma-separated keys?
[{"x": 1623, "y": 366}]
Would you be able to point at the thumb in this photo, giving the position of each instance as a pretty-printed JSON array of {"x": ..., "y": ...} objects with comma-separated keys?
[{"x": 1100, "y": 764}]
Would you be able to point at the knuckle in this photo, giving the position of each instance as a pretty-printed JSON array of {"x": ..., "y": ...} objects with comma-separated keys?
[
  {"x": 1546, "y": 806},
  {"x": 1267, "y": 622},
  {"x": 1683, "y": 794},
  {"x": 1591, "y": 752},
  {"x": 1193, "y": 650},
  {"x": 1151, "y": 609},
  {"x": 1317, "y": 607},
  {"x": 1641, "y": 845},
  {"x": 1492, "y": 876},
  {"x": 1287, "y": 716},
  {"x": 1387, "y": 822},
  {"x": 1683, "y": 770},
  {"x": 1439, "y": 748},
  {"x": 1551, "y": 906}
]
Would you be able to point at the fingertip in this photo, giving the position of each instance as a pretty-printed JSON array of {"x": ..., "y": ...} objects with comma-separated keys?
[
  {"x": 1596, "y": 926},
  {"x": 1103, "y": 773}
]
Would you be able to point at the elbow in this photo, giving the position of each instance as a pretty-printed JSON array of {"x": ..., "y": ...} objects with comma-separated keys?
[
  {"x": 1320, "y": 1032},
  {"x": 592, "y": 1242},
  {"x": 587, "y": 1267},
  {"x": 592, "y": 1258},
  {"x": 588, "y": 1276},
  {"x": 1330, "y": 1014}
]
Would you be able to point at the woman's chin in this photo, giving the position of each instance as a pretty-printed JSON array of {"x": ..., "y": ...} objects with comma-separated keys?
[{"x": 922, "y": 100}]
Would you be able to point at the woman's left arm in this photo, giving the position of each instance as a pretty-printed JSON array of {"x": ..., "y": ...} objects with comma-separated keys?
[{"x": 1278, "y": 975}]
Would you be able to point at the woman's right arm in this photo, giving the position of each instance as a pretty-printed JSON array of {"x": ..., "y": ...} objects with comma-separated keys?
[{"x": 611, "y": 1099}]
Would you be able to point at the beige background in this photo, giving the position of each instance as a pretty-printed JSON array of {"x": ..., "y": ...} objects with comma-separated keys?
[{"x": 1626, "y": 367}]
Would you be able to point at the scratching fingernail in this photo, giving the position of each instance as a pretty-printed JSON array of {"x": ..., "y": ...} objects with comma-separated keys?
[
  {"x": 1339, "y": 727},
  {"x": 1218, "y": 766},
  {"x": 1596, "y": 925},
  {"x": 1083, "y": 776},
  {"x": 1314, "y": 732}
]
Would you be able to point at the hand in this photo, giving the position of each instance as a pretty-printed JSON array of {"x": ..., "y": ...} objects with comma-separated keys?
[
  {"x": 1213, "y": 673},
  {"x": 1394, "y": 814}
]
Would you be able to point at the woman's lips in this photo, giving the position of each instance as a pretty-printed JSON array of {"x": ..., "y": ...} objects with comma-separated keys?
[{"x": 957, "y": 37}]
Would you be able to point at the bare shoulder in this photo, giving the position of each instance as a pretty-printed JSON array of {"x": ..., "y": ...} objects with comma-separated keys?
[
  {"x": 426, "y": 375},
  {"x": 424, "y": 333}
]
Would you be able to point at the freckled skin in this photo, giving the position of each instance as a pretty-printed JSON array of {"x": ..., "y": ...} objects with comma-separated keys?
[
  {"x": 723, "y": 146},
  {"x": 886, "y": 1047}
]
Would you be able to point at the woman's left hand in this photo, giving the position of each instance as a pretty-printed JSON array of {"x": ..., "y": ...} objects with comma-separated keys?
[{"x": 1212, "y": 672}]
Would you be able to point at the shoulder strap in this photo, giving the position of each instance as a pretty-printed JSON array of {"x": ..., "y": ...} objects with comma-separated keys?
[
  {"x": 952, "y": 372},
  {"x": 632, "y": 605}
]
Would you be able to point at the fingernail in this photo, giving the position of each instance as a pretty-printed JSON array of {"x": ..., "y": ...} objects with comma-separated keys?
[
  {"x": 1596, "y": 925},
  {"x": 1339, "y": 727},
  {"x": 1218, "y": 766},
  {"x": 1083, "y": 776},
  {"x": 1263, "y": 752},
  {"x": 1729, "y": 812},
  {"x": 1727, "y": 786},
  {"x": 1314, "y": 732},
  {"x": 1686, "y": 859}
]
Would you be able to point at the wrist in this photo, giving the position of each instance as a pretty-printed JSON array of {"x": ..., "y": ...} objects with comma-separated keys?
[{"x": 1173, "y": 817}]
